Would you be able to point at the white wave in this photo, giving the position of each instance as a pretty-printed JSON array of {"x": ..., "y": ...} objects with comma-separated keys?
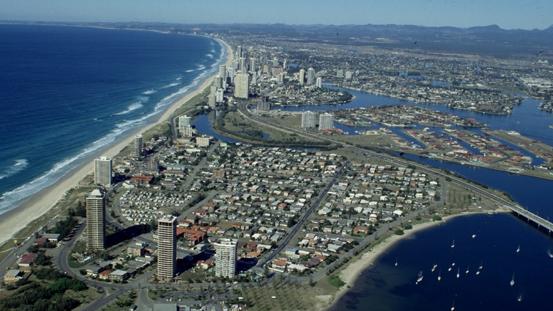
[
  {"x": 133, "y": 106},
  {"x": 18, "y": 166},
  {"x": 149, "y": 92},
  {"x": 170, "y": 85},
  {"x": 190, "y": 70},
  {"x": 200, "y": 67},
  {"x": 209, "y": 55},
  {"x": 179, "y": 78},
  {"x": 11, "y": 198}
]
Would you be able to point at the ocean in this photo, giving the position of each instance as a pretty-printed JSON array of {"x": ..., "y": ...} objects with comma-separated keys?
[{"x": 69, "y": 92}]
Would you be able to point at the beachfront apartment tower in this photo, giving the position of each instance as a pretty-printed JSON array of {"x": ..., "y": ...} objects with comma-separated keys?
[
  {"x": 166, "y": 248},
  {"x": 225, "y": 258},
  {"x": 301, "y": 77},
  {"x": 138, "y": 146},
  {"x": 326, "y": 121},
  {"x": 311, "y": 76},
  {"x": 308, "y": 120},
  {"x": 223, "y": 73},
  {"x": 102, "y": 171},
  {"x": 185, "y": 126},
  {"x": 242, "y": 85},
  {"x": 95, "y": 220},
  {"x": 319, "y": 82}
]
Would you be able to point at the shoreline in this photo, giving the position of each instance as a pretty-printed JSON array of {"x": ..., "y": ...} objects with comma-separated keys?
[
  {"x": 353, "y": 270},
  {"x": 16, "y": 219}
]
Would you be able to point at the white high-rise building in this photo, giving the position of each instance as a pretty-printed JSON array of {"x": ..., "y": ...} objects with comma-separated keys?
[
  {"x": 241, "y": 85},
  {"x": 243, "y": 65},
  {"x": 239, "y": 51},
  {"x": 225, "y": 258},
  {"x": 211, "y": 100},
  {"x": 301, "y": 77},
  {"x": 253, "y": 64},
  {"x": 311, "y": 76},
  {"x": 138, "y": 146},
  {"x": 166, "y": 248},
  {"x": 223, "y": 72},
  {"x": 185, "y": 126},
  {"x": 95, "y": 221},
  {"x": 319, "y": 82},
  {"x": 308, "y": 119},
  {"x": 220, "y": 96},
  {"x": 184, "y": 121},
  {"x": 326, "y": 121},
  {"x": 102, "y": 171},
  {"x": 349, "y": 75}
]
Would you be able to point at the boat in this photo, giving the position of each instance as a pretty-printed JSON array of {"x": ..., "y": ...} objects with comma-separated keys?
[
  {"x": 395, "y": 264},
  {"x": 453, "y": 264},
  {"x": 449, "y": 269},
  {"x": 452, "y": 307},
  {"x": 474, "y": 236},
  {"x": 419, "y": 278},
  {"x": 467, "y": 271},
  {"x": 519, "y": 298},
  {"x": 439, "y": 276},
  {"x": 453, "y": 244},
  {"x": 477, "y": 272},
  {"x": 518, "y": 249},
  {"x": 549, "y": 253},
  {"x": 512, "y": 283},
  {"x": 434, "y": 267},
  {"x": 458, "y": 275}
]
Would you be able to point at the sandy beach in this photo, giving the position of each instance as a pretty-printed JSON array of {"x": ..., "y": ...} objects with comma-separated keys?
[
  {"x": 13, "y": 221},
  {"x": 354, "y": 269}
]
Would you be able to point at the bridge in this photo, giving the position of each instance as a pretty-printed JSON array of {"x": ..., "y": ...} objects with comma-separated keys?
[
  {"x": 525, "y": 214},
  {"x": 516, "y": 209}
]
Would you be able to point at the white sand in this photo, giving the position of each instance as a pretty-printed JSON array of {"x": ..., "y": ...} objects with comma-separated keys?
[{"x": 18, "y": 218}]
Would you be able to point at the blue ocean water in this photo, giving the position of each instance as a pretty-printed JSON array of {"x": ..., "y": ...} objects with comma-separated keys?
[
  {"x": 68, "y": 92},
  {"x": 497, "y": 237}
]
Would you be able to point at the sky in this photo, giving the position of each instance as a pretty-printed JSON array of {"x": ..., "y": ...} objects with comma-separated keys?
[{"x": 524, "y": 14}]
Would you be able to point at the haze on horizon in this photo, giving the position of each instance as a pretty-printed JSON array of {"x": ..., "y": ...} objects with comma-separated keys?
[{"x": 509, "y": 14}]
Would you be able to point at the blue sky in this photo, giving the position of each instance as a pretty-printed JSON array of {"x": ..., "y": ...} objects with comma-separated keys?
[{"x": 526, "y": 14}]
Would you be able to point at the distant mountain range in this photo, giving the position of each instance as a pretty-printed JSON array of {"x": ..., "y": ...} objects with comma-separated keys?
[
  {"x": 486, "y": 40},
  {"x": 483, "y": 40}
]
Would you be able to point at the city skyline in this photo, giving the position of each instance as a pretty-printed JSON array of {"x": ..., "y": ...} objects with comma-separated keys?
[{"x": 463, "y": 13}]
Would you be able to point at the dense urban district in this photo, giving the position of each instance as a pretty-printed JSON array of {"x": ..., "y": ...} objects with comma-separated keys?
[{"x": 266, "y": 212}]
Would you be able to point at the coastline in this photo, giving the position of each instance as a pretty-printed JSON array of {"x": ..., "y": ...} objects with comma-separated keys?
[
  {"x": 38, "y": 204},
  {"x": 367, "y": 259}
]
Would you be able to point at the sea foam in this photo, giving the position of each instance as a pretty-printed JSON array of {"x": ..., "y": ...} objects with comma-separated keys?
[
  {"x": 134, "y": 106},
  {"x": 18, "y": 166}
]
